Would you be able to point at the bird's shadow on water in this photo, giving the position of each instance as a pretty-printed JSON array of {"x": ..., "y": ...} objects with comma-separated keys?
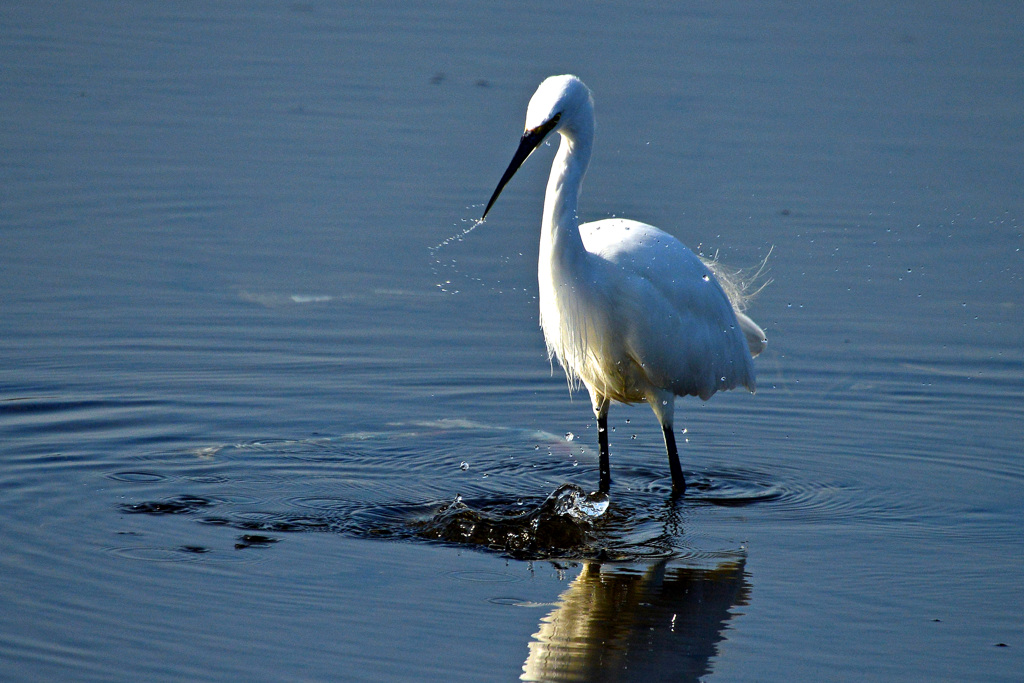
[{"x": 637, "y": 622}]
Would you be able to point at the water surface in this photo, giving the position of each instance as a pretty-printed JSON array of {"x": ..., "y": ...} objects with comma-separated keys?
[{"x": 242, "y": 399}]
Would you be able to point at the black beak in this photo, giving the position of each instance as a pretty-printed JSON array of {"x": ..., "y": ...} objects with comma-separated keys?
[{"x": 527, "y": 144}]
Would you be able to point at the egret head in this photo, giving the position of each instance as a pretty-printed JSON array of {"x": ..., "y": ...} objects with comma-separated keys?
[
  {"x": 563, "y": 97},
  {"x": 561, "y": 103}
]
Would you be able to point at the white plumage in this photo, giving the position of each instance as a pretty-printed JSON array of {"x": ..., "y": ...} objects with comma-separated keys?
[{"x": 626, "y": 308}]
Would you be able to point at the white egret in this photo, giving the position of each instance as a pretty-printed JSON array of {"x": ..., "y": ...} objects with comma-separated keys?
[{"x": 629, "y": 311}]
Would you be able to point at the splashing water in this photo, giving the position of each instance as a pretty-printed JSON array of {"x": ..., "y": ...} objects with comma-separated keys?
[
  {"x": 561, "y": 523},
  {"x": 439, "y": 267},
  {"x": 565, "y": 524}
]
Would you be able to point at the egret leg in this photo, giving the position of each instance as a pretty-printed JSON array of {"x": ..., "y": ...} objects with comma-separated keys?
[
  {"x": 602, "y": 442},
  {"x": 678, "y": 482},
  {"x": 601, "y": 404},
  {"x": 664, "y": 404}
]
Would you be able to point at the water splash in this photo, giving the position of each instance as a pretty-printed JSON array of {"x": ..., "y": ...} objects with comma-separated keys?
[
  {"x": 495, "y": 514},
  {"x": 449, "y": 268},
  {"x": 559, "y": 526}
]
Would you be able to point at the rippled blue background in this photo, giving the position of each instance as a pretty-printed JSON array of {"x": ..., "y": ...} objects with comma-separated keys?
[{"x": 217, "y": 280}]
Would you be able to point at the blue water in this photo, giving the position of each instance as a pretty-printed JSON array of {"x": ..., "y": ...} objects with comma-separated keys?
[{"x": 237, "y": 380}]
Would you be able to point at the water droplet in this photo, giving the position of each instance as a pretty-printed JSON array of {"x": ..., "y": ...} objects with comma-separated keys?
[
  {"x": 633, "y": 436},
  {"x": 569, "y": 436},
  {"x": 627, "y": 420},
  {"x": 705, "y": 278},
  {"x": 463, "y": 465}
]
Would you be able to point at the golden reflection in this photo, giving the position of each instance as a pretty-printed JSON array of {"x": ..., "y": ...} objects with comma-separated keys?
[{"x": 636, "y": 623}]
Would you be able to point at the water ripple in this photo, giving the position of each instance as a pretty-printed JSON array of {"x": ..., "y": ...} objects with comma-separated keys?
[{"x": 513, "y": 499}]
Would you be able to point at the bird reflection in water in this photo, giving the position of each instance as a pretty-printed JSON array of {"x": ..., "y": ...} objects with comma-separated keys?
[{"x": 618, "y": 623}]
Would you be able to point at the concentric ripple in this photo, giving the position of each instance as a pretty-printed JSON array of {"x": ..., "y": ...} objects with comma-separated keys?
[{"x": 378, "y": 485}]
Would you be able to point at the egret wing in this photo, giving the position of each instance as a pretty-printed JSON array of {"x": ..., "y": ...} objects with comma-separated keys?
[{"x": 679, "y": 324}]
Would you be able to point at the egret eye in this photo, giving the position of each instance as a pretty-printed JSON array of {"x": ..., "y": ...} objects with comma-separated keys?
[{"x": 546, "y": 127}]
